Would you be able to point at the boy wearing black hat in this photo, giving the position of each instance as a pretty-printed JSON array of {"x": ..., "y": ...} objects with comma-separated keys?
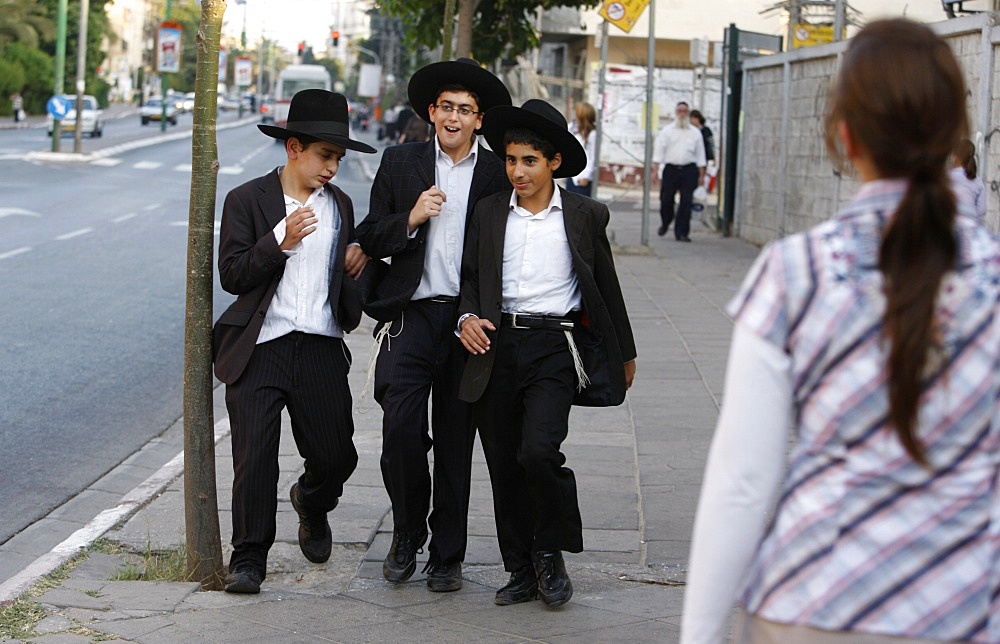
[
  {"x": 420, "y": 200},
  {"x": 543, "y": 316},
  {"x": 287, "y": 250}
]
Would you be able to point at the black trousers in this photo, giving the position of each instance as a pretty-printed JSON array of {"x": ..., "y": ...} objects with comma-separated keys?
[
  {"x": 683, "y": 179},
  {"x": 307, "y": 374},
  {"x": 422, "y": 360},
  {"x": 523, "y": 418}
]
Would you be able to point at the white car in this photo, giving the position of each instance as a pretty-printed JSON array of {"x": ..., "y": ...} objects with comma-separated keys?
[
  {"x": 188, "y": 104},
  {"x": 152, "y": 110},
  {"x": 93, "y": 117}
]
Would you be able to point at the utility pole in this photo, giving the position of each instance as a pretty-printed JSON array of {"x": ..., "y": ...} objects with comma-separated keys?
[
  {"x": 60, "y": 71},
  {"x": 81, "y": 74}
]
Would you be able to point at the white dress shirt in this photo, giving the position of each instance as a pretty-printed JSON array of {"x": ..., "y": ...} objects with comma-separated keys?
[
  {"x": 446, "y": 232},
  {"x": 538, "y": 274},
  {"x": 677, "y": 145},
  {"x": 302, "y": 301}
]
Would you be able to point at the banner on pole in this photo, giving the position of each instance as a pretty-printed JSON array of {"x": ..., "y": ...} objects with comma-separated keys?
[
  {"x": 369, "y": 80},
  {"x": 168, "y": 47},
  {"x": 243, "y": 69},
  {"x": 623, "y": 13},
  {"x": 223, "y": 61}
]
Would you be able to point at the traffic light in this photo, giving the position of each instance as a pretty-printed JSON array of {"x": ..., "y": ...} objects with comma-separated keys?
[
  {"x": 302, "y": 47},
  {"x": 335, "y": 35}
]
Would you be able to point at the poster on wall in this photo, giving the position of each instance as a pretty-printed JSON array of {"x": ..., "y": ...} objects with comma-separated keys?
[{"x": 168, "y": 47}]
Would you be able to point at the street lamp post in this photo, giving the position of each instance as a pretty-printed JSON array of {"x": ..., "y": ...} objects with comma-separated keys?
[{"x": 243, "y": 48}]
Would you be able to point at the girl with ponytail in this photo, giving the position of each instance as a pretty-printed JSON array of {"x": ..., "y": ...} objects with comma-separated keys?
[{"x": 874, "y": 340}]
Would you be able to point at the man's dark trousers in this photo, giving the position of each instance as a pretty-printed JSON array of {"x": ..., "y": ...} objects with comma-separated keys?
[
  {"x": 420, "y": 358},
  {"x": 683, "y": 178},
  {"x": 308, "y": 375}
]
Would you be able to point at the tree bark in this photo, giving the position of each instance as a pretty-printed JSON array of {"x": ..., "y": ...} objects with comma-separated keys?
[
  {"x": 446, "y": 29},
  {"x": 466, "y": 14},
  {"x": 201, "y": 509}
]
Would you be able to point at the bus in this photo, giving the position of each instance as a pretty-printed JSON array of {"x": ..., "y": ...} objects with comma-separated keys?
[{"x": 296, "y": 78}]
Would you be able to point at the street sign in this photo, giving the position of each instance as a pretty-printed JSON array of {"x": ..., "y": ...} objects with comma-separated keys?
[
  {"x": 58, "y": 107},
  {"x": 623, "y": 13}
]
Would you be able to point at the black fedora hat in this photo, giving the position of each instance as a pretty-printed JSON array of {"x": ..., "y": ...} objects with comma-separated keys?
[
  {"x": 426, "y": 84},
  {"x": 544, "y": 120},
  {"x": 321, "y": 115}
]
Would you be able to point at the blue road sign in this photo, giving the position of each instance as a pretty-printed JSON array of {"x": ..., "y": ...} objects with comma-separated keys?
[{"x": 58, "y": 106}]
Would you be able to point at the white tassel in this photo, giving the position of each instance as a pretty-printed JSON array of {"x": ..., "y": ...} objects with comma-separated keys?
[
  {"x": 382, "y": 334},
  {"x": 581, "y": 375}
]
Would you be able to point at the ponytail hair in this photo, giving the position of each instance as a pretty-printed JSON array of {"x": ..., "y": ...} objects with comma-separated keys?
[
  {"x": 965, "y": 154},
  {"x": 898, "y": 91}
]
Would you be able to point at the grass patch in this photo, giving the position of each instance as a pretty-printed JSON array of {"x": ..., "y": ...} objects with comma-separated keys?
[
  {"x": 170, "y": 565},
  {"x": 18, "y": 618}
]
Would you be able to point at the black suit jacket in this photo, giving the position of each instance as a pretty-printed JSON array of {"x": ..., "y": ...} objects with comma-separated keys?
[
  {"x": 251, "y": 265},
  {"x": 405, "y": 172},
  {"x": 604, "y": 334}
]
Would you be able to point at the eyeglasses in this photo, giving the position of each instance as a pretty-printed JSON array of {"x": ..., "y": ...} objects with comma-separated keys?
[{"x": 448, "y": 108}]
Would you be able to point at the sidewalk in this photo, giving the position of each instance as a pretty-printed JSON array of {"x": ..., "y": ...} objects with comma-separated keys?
[{"x": 638, "y": 469}]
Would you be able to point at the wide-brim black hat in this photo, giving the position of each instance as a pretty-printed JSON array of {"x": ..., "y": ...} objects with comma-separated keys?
[
  {"x": 543, "y": 119},
  {"x": 321, "y": 115},
  {"x": 426, "y": 84}
]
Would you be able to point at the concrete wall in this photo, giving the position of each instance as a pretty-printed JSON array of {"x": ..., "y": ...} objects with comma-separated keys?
[{"x": 786, "y": 182}]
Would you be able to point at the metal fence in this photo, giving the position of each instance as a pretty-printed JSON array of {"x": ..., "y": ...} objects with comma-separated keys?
[{"x": 785, "y": 181}]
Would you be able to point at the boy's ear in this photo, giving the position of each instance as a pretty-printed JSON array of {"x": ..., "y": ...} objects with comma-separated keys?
[{"x": 556, "y": 161}]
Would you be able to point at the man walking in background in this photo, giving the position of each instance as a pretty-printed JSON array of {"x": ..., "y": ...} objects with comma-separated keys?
[{"x": 679, "y": 153}]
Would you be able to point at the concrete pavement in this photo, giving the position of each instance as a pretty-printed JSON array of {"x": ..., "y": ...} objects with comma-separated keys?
[{"x": 638, "y": 468}]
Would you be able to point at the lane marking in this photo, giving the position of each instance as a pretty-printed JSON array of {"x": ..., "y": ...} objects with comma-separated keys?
[
  {"x": 183, "y": 167},
  {"x": 8, "y": 212},
  {"x": 152, "y": 206},
  {"x": 147, "y": 165},
  {"x": 231, "y": 169},
  {"x": 119, "y": 220},
  {"x": 107, "y": 163},
  {"x": 16, "y": 251},
  {"x": 82, "y": 538},
  {"x": 75, "y": 233}
]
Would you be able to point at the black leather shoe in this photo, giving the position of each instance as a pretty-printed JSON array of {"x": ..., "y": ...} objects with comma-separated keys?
[
  {"x": 662, "y": 231},
  {"x": 244, "y": 580},
  {"x": 683, "y": 239},
  {"x": 401, "y": 562},
  {"x": 443, "y": 578},
  {"x": 553, "y": 583},
  {"x": 522, "y": 587},
  {"x": 315, "y": 538}
]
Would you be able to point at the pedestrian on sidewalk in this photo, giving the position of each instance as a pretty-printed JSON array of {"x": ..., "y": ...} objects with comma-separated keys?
[
  {"x": 287, "y": 249},
  {"x": 584, "y": 128},
  {"x": 679, "y": 152},
  {"x": 420, "y": 199},
  {"x": 541, "y": 303},
  {"x": 17, "y": 104},
  {"x": 884, "y": 359}
]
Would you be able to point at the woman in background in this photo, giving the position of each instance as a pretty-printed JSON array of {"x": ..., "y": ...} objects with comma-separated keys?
[
  {"x": 584, "y": 128},
  {"x": 968, "y": 186},
  {"x": 875, "y": 337}
]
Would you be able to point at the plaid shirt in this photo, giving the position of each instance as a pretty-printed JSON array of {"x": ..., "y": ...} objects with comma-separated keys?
[{"x": 863, "y": 538}]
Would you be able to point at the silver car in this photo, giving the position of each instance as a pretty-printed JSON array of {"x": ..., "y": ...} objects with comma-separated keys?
[{"x": 93, "y": 117}]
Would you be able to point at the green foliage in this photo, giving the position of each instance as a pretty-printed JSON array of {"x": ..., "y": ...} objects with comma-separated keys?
[
  {"x": 24, "y": 21},
  {"x": 98, "y": 29},
  {"x": 30, "y": 72},
  {"x": 499, "y": 29}
]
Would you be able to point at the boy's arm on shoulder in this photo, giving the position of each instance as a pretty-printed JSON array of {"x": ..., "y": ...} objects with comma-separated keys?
[
  {"x": 247, "y": 256},
  {"x": 383, "y": 232}
]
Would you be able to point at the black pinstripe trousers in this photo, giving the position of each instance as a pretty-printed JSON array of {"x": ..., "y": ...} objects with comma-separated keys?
[{"x": 307, "y": 374}]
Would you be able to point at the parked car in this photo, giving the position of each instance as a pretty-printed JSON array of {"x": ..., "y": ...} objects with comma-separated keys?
[
  {"x": 152, "y": 110},
  {"x": 267, "y": 111},
  {"x": 229, "y": 103},
  {"x": 93, "y": 117}
]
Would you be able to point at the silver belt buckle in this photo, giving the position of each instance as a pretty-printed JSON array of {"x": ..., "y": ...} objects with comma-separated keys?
[{"x": 514, "y": 324}]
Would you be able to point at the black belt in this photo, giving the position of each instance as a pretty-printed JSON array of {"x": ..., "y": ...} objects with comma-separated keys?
[
  {"x": 441, "y": 299},
  {"x": 682, "y": 165},
  {"x": 527, "y": 321}
]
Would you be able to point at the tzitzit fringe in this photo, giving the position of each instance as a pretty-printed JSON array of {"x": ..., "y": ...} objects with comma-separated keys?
[
  {"x": 382, "y": 334},
  {"x": 581, "y": 376}
]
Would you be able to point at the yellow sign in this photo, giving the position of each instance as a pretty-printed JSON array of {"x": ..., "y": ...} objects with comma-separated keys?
[
  {"x": 623, "y": 13},
  {"x": 807, "y": 35}
]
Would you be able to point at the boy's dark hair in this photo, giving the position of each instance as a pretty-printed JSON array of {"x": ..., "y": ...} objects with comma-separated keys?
[
  {"x": 457, "y": 87},
  {"x": 525, "y": 136}
]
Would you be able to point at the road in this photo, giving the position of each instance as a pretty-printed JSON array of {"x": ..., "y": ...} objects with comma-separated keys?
[{"x": 92, "y": 268}]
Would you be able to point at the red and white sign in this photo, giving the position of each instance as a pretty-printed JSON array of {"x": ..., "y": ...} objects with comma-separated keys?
[{"x": 168, "y": 47}]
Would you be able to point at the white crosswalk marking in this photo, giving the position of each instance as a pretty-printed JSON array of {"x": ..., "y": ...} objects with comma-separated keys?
[
  {"x": 16, "y": 251},
  {"x": 231, "y": 169},
  {"x": 183, "y": 167},
  {"x": 108, "y": 163},
  {"x": 147, "y": 165},
  {"x": 75, "y": 233}
]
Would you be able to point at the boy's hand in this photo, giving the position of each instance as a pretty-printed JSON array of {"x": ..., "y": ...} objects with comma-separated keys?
[
  {"x": 298, "y": 225},
  {"x": 473, "y": 335},
  {"x": 629, "y": 373},
  {"x": 428, "y": 205},
  {"x": 354, "y": 261}
]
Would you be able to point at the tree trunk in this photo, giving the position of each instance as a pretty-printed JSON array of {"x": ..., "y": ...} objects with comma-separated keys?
[
  {"x": 201, "y": 509},
  {"x": 466, "y": 14},
  {"x": 449, "y": 21}
]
